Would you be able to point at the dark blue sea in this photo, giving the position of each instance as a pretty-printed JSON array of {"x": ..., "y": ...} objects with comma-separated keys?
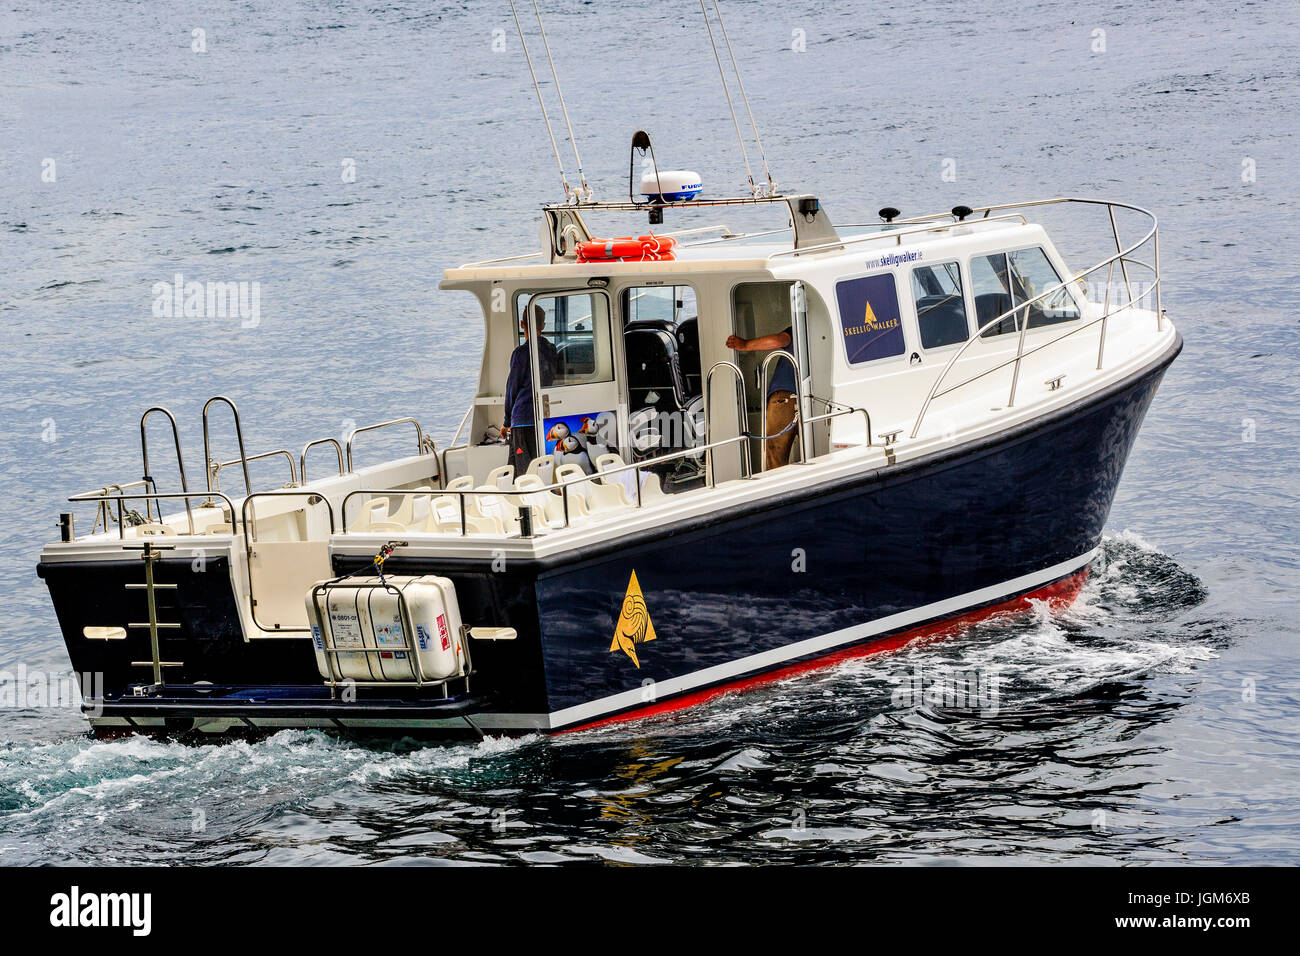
[{"x": 342, "y": 154}]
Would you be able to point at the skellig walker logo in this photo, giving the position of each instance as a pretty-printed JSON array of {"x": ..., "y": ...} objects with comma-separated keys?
[{"x": 634, "y": 625}]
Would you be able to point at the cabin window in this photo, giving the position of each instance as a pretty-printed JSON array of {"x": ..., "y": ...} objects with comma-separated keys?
[
  {"x": 577, "y": 324},
  {"x": 940, "y": 307},
  {"x": 661, "y": 303},
  {"x": 1034, "y": 275},
  {"x": 1005, "y": 279},
  {"x": 869, "y": 318}
]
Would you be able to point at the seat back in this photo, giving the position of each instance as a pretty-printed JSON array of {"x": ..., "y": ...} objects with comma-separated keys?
[
  {"x": 546, "y": 505},
  {"x": 651, "y": 488},
  {"x": 502, "y": 477},
  {"x": 373, "y": 511},
  {"x": 543, "y": 466},
  {"x": 688, "y": 355},
  {"x": 654, "y": 378}
]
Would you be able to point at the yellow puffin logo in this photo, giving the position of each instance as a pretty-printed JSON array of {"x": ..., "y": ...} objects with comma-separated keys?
[{"x": 634, "y": 624}]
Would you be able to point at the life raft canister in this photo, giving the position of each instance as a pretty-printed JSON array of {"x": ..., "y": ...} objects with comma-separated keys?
[{"x": 628, "y": 249}]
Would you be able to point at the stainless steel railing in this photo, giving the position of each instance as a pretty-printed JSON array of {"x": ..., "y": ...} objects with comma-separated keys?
[
  {"x": 302, "y": 458},
  {"x": 420, "y": 443},
  {"x": 1124, "y": 257},
  {"x": 120, "y": 498},
  {"x": 214, "y": 467},
  {"x": 564, "y": 488}
]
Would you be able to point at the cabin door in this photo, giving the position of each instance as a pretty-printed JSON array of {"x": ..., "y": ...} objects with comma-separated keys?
[
  {"x": 578, "y": 405},
  {"x": 802, "y": 356}
]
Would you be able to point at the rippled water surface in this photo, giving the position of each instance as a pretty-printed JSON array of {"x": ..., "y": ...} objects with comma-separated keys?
[{"x": 1156, "y": 721}]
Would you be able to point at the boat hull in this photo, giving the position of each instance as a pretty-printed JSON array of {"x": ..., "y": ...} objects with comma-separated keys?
[{"x": 665, "y": 619}]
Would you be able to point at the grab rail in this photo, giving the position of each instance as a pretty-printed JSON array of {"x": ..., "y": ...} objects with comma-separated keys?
[
  {"x": 1124, "y": 256},
  {"x": 564, "y": 487},
  {"x": 216, "y": 466},
  {"x": 742, "y": 407},
  {"x": 144, "y": 455},
  {"x": 104, "y": 499},
  {"x": 773, "y": 356},
  {"x": 239, "y": 435},
  {"x": 302, "y": 459},
  {"x": 922, "y": 225},
  {"x": 419, "y": 435}
]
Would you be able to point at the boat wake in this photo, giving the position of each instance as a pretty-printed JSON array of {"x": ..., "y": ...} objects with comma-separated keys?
[{"x": 1036, "y": 701}]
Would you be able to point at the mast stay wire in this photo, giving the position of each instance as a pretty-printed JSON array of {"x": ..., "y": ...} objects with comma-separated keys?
[
  {"x": 568, "y": 190},
  {"x": 586, "y": 190},
  {"x": 771, "y": 186},
  {"x": 726, "y": 89}
]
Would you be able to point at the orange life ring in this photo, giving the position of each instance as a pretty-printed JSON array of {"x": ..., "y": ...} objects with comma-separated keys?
[{"x": 627, "y": 249}]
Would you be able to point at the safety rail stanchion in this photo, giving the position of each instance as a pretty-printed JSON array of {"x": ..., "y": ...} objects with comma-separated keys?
[
  {"x": 776, "y": 356},
  {"x": 742, "y": 411},
  {"x": 302, "y": 458},
  {"x": 419, "y": 435},
  {"x": 215, "y": 467},
  {"x": 180, "y": 460},
  {"x": 121, "y": 498},
  {"x": 239, "y": 436},
  {"x": 564, "y": 487}
]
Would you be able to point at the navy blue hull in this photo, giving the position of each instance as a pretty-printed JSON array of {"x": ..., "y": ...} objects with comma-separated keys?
[
  {"x": 878, "y": 545},
  {"x": 746, "y": 591}
]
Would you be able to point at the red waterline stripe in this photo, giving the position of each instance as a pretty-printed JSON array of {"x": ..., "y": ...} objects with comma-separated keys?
[{"x": 1059, "y": 595}]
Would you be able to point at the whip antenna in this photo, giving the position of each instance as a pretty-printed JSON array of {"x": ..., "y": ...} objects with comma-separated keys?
[
  {"x": 771, "y": 186},
  {"x": 568, "y": 192},
  {"x": 753, "y": 190},
  {"x": 586, "y": 190}
]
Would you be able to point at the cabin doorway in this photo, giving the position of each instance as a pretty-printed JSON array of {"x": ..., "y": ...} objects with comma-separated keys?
[
  {"x": 769, "y": 308},
  {"x": 573, "y": 358}
]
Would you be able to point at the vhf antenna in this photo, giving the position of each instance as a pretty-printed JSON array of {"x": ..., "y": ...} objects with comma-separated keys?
[
  {"x": 754, "y": 190},
  {"x": 583, "y": 193},
  {"x": 586, "y": 190},
  {"x": 771, "y": 185},
  {"x": 568, "y": 192}
]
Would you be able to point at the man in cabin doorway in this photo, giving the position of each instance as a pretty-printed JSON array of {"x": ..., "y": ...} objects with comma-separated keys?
[
  {"x": 519, "y": 429},
  {"x": 782, "y": 408}
]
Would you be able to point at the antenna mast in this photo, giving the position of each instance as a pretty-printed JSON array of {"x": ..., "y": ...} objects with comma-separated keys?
[
  {"x": 771, "y": 185},
  {"x": 568, "y": 192},
  {"x": 726, "y": 90},
  {"x": 586, "y": 190}
]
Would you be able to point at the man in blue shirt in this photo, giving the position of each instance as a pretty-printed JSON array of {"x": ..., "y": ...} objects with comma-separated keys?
[
  {"x": 782, "y": 407},
  {"x": 519, "y": 429}
]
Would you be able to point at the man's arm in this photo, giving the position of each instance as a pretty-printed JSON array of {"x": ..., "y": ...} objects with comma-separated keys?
[{"x": 764, "y": 343}]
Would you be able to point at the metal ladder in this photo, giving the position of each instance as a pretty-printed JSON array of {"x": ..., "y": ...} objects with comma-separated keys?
[{"x": 150, "y": 553}]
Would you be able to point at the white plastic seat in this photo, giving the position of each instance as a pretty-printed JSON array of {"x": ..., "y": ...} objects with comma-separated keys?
[
  {"x": 463, "y": 483},
  {"x": 374, "y": 517},
  {"x": 596, "y": 498},
  {"x": 412, "y": 509},
  {"x": 548, "y": 508},
  {"x": 445, "y": 518},
  {"x": 651, "y": 489},
  {"x": 502, "y": 477},
  {"x": 152, "y": 528},
  {"x": 494, "y": 506},
  {"x": 543, "y": 466}
]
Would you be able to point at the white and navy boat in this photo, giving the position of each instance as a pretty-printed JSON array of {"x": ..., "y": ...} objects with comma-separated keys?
[
  {"x": 964, "y": 397},
  {"x": 966, "y": 410}
]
